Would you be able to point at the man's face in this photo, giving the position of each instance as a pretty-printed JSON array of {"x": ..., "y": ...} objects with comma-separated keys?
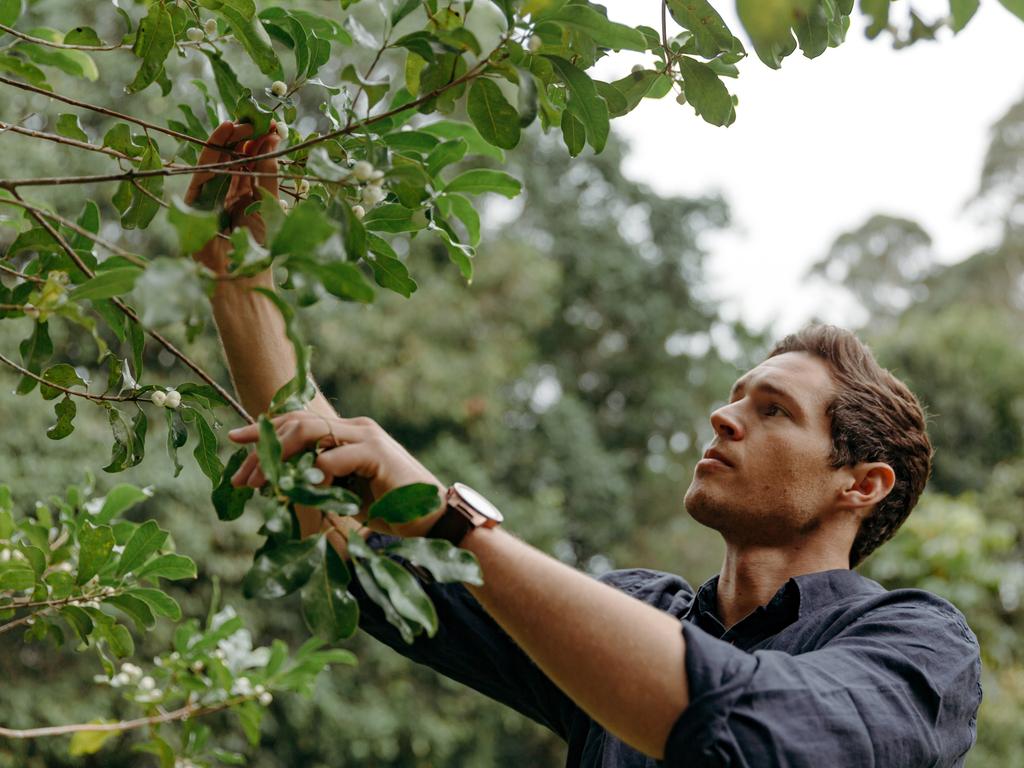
[{"x": 771, "y": 481}]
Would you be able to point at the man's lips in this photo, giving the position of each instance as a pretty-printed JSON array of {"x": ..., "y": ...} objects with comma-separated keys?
[{"x": 716, "y": 455}]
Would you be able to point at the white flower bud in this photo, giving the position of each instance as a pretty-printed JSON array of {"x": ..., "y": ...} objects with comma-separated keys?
[
  {"x": 372, "y": 195},
  {"x": 363, "y": 170},
  {"x": 147, "y": 683},
  {"x": 303, "y": 187},
  {"x": 282, "y": 129},
  {"x": 173, "y": 399},
  {"x": 100, "y": 679},
  {"x": 376, "y": 176},
  {"x": 210, "y": 26},
  {"x": 195, "y": 34},
  {"x": 265, "y": 698},
  {"x": 119, "y": 679},
  {"x": 358, "y": 211},
  {"x": 5, "y": 556},
  {"x": 159, "y": 398},
  {"x": 279, "y": 88},
  {"x": 534, "y": 44},
  {"x": 197, "y": 667}
]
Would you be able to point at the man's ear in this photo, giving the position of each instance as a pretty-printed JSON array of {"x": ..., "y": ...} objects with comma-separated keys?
[{"x": 866, "y": 485}]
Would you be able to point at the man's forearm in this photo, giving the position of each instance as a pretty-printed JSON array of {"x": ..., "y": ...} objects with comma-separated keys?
[
  {"x": 621, "y": 660},
  {"x": 259, "y": 354}
]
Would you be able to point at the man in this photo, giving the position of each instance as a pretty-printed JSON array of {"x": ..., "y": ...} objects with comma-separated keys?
[{"x": 786, "y": 658}]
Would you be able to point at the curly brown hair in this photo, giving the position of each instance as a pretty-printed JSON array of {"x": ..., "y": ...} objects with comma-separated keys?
[{"x": 874, "y": 417}]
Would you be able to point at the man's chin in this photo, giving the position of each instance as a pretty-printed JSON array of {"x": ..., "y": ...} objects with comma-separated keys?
[{"x": 704, "y": 506}]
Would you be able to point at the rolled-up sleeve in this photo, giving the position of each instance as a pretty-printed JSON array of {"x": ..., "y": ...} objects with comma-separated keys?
[{"x": 898, "y": 686}]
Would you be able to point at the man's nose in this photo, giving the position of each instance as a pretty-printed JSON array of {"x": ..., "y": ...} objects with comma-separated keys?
[{"x": 725, "y": 423}]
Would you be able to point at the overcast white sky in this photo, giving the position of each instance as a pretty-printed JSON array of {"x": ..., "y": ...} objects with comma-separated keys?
[{"x": 821, "y": 144}]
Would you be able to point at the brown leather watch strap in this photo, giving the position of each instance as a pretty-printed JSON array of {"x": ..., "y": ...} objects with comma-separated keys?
[{"x": 453, "y": 525}]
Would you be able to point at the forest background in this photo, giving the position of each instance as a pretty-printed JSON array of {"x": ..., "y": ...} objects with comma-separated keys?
[{"x": 571, "y": 384}]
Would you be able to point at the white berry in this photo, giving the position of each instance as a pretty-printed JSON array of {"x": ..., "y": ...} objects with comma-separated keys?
[
  {"x": 282, "y": 129},
  {"x": 534, "y": 44},
  {"x": 363, "y": 170},
  {"x": 159, "y": 398},
  {"x": 303, "y": 187},
  {"x": 265, "y": 698},
  {"x": 173, "y": 399},
  {"x": 284, "y": 204},
  {"x": 195, "y": 34},
  {"x": 372, "y": 195},
  {"x": 210, "y": 26},
  {"x": 358, "y": 211},
  {"x": 279, "y": 88},
  {"x": 377, "y": 175}
]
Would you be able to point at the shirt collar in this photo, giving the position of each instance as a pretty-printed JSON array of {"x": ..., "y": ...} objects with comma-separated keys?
[{"x": 798, "y": 597}]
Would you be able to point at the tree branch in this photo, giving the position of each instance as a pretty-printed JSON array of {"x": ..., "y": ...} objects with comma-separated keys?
[
  {"x": 86, "y": 395},
  {"x": 182, "y": 713},
  {"x": 22, "y": 275},
  {"x": 159, "y": 338},
  {"x": 51, "y": 44}
]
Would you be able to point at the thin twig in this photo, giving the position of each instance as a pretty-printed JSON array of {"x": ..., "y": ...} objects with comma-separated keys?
[
  {"x": 87, "y": 395},
  {"x": 22, "y": 275},
  {"x": 78, "y": 228},
  {"x": 182, "y": 713},
  {"x": 159, "y": 338},
  {"x": 108, "y": 112},
  {"x": 51, "y": 44}
]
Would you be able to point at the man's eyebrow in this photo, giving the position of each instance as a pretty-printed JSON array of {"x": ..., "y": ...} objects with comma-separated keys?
[{"x": 767, "y": 387}]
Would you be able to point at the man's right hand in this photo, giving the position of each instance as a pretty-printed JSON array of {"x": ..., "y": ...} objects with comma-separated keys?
[{"x": 242, "y": 190}]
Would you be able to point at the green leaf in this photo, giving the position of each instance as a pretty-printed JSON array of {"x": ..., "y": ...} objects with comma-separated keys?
[
  {"x": 584, "y": 102},
  {"x": 74, "y": 63},
  {"x": 144, "y": 541},
  {"x": 605, "y": 33},
  {"x": 461, "y": 255},
  {"x": 706, "y": 92},
  {"x": 711, "y": 36},
  {"x": 248, "y": 111},
  {"x": 449, "y": 129},
  {"x": 445, "y": 561},
  {"x": 120, "y": 498},
  {"x": 327, "y": 608},
  {"x": 153, "y": 42},
  {"x": 65, "y": 411},
  {"x": 254, "y": 39},
  {"x": 229, "y": 502},
  {"x": 407, "y": 503},
  {"x": 10, "y": 10},
  {"x": 467, "y": 214},
  {"x": 1016, "y": 7},
  {"x": 446, "y": 153},
  {"x": 160, "y": 602},
  {"x": 305, "y": 227},
  {"x": 281, "y": 570},
  {"x": 268, "y": 448},
  {"x": 195, "y": 227},
  {"x": 135, "y": 609},
  {"x": 95, "y": 544},
  {"x": 362, "y": 555},
  {"x": 36, "y": 349},
  {"x": 143, "y": 207},
  {"x": 78, "y": 620},
  {"x": 405, "y": 593},
  {"x": 177, "y": 436},
  {"x": 388, "y": 270},
  {"x": 573, "y": 133},
  {"x": 636, "y": 85},
  {"x": 246, "y": 8},
  {"x": 493, "y": 116},
  {"x": 480, "y": 180},
  {"x": 68, "y": 125},
  {"x": 171, "y": 566},
  {"x": 769, "y": 24},
  {"x": 339, "y": 278},
  {"x": 112, "y": 282},
  {"x": 16, "y": 576},
  {"x": 120, "y": 640},
  {"x": 394, "y": 218},
  {"x": 205, "y": 451},
  {"x": 90, "y": 742},
  {"x": 62, "y": 375},
  {"x": 12, "y": 65},
  {"x": 226, "y": 80},
  {"x": 129, "y": 440},
  {"x": 82, "y": 36}
]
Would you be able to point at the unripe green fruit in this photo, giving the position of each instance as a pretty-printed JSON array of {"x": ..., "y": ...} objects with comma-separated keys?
[
  {"x": 195, "y": 34},
  {"x": 210, "y": 26},
  {"x": 638, "y": 68},
  {"x": 279, "y": 88},
  {"x": 681, "y": 98}
]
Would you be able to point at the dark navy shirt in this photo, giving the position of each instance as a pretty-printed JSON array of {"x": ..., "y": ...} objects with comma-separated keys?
[{"x": 834, "y": 671}]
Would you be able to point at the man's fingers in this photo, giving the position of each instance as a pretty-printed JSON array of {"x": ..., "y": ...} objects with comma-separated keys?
[
  {"x": 227, "y": 134},
  {"x": 242, "y": 474},
  {"x": 349, "y": 459}
]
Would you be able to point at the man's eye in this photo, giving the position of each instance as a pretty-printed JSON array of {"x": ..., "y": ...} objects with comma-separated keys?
[{"x": 774, "y": 410}]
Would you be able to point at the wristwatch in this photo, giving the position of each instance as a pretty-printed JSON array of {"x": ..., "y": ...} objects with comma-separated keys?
[{"x": 466, "y": 509}]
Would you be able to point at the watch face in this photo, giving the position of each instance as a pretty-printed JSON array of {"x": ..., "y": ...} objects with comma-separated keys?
[{"x": 478, "y": 502}]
